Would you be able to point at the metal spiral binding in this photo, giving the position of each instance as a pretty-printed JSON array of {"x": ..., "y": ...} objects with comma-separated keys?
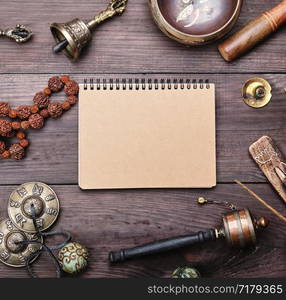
[{"x": 143, "y": 84}]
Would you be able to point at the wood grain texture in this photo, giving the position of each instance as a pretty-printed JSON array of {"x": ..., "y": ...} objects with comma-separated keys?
[
  {"x": 130, "y": 43},
  {"x": 110, "y": 220},
  {"x": 52, "y": 156}
]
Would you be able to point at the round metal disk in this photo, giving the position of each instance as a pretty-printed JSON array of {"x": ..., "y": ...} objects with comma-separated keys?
[
  {"x": 44, "y": 200},
  {"x": 11, "y": 253},
  {"x": 256, "y": 92}
]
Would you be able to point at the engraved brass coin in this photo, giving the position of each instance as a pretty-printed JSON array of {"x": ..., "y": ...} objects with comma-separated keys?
[
  {"x": 44, "y": 200},
  {"x": 11, "y": 252},
  {"x": 256, "y": 92}
]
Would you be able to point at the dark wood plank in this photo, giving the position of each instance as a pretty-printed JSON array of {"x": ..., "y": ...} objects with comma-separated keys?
[
  {"x": 52, "y": 156},
  {"x": 131, "y": 43},
  {"x": 109, "y": 220}
]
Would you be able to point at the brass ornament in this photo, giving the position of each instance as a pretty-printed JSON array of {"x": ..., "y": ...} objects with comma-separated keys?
[
  {"x": 11, "y": 253},
  {"x": 20, "y": 34},
  {"x": 44, "y": 200},
  {"x": 256, "y": 92},
  {"x": 186, "y": 272},
  {"x": 73, "y": 36},
  {"x": 73, "y": 258}
]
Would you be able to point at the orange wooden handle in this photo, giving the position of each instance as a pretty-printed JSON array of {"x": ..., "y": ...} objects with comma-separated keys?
[{"x": 253, "y": 33}]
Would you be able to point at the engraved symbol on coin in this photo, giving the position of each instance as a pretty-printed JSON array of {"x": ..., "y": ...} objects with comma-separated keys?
[
  {"x": 14, "y": 203},
  {"x": 52, "y": 211},
  {"x": 40, "y": 223},
  {"x": 1, "y": 237},
  {"x": 4, "y": 255},
  {"x": 33, "y": 196},
  {"x": 50, "y": 197},
  {"x": 37, "y": 190},
  {"x": 20, "y": 220},
  {"x": 9, "y": 225},
  {"x": 22, "y": 192}
]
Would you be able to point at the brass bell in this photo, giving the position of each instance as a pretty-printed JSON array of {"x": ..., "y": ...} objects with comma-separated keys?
[
  {"x": 73, "y": 36},
  {"x": 256, "y": 92}
]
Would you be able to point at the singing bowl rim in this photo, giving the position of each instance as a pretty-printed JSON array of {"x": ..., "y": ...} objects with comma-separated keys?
[{"x": 192, "y": 39}]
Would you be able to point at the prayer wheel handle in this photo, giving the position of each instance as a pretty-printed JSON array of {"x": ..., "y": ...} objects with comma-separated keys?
[{"x": 239, "y": 229}]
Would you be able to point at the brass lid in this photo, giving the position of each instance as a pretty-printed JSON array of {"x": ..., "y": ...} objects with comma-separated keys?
[
  {"x": 45, "y": 202},
  {"x": 11, "y": 253},
  {"x": 256, "y": 92}
]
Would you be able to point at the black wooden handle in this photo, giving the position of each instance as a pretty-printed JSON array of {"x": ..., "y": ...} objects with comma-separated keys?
[{"x": 162, "y": 246}]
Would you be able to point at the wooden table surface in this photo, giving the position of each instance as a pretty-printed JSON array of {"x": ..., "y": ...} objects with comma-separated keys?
[{"x": 132, "y": 47}]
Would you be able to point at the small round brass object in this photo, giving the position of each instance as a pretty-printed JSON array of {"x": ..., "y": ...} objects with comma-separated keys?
[
  {"x": 262, "y": 222},
  {"x": 256, "y": 92},
  {"x": 202, "y": 200},
  {"x": 186, "y": 272},
  {"x": 73, "y": 258},
  {"x": 11, "y": 252},
  {"x": 42, "y": 198}
]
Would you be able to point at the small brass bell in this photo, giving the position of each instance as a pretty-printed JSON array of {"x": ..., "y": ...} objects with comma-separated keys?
[
  {"x": 73, "y": 36},
  {"x": 256, "y": 92}
]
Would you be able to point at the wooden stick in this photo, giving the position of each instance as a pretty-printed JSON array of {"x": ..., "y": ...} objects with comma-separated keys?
[
  {"x": 261, "y": 201},
  {"x": 254, "y": 32}
]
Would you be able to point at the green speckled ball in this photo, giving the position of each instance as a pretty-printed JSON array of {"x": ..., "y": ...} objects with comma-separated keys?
[
  {"x": 73, "y": 258},
  {"x": 186, "y": 272}
]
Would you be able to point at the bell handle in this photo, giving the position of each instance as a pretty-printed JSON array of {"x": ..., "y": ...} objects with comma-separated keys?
[
  {"x": 116, "y": 7},
  {"x": 162, "y": 246}
]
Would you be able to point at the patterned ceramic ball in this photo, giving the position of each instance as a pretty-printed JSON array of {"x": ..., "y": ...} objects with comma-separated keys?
[
  {"x": 186, "y": 272},
  {"x": 73, "y": 258}
]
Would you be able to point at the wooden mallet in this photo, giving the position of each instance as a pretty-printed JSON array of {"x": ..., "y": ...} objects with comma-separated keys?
[{"x": 253, "y": 33}]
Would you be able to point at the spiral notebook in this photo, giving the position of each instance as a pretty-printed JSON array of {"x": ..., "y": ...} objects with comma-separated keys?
[{"x": 153, "y": 134}]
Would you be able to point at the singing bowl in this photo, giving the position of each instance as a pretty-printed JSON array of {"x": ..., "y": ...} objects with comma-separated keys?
[{"x": 195, "y": 22}]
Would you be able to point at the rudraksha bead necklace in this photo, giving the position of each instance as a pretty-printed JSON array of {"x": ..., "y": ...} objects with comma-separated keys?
[{"x": 24, "y": 117}]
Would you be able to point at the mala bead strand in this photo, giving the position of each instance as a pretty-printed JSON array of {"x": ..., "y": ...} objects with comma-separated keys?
[
  {"x": 71, "y": 88},
  {"x": 41, "y": 99},
  {"x": 17, "y": 152},
  {"x": 36, "y": 121},
  {"x": 26, "y": 117},
  {"x": 12, "y": 114},
  {"x": 4, "y": 109},
  {"x": 23, "y": 112},
  {"x": 5, "y": 128},
  {"x": 2, "y": 147},
  {"x": 55, "y": 84},
  {"x": 55, "y": 110}
]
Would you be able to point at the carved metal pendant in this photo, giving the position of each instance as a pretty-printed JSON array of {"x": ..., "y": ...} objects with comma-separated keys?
[
  {"x": 20, "y": 33},
  {"x": 44, "y": 200},
  {"x": 11, "y": 252}
]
